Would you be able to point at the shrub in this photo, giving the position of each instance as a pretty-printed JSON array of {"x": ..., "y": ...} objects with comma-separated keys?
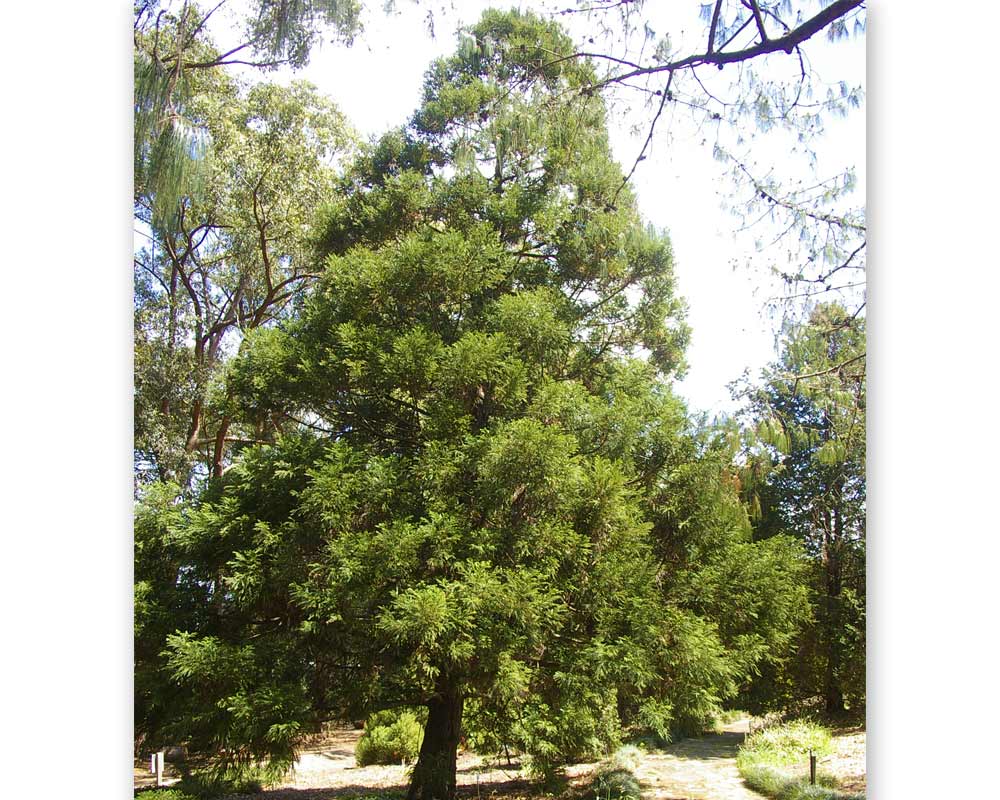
[
  {"x": 390, "y": 738},
  {"x": 215, "y": 782},
  {"x": 615, "y": 784},
  {"x": 649, "y": 740}
]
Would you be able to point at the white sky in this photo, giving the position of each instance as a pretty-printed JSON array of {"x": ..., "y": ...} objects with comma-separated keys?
[{"x": 681, "y": 188}]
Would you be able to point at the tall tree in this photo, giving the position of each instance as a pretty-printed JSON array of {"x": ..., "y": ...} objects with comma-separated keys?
[
  {"x": 809, "y": 460},
  {"x": 487, "y": 445}
]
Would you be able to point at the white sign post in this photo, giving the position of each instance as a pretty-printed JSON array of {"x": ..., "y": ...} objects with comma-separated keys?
[{"x": 157, "y": 767}]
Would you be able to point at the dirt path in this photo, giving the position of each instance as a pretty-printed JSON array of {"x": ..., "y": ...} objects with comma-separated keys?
[
  {"x": 697, "y": 769},
  {"x": 692, "y": 769}
]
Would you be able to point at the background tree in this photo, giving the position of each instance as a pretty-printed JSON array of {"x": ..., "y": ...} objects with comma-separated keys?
[
  {"x": 807, "y": 470},
  {"x": 234, "y": 257},
  {"x": 745, "y": 77},
  {"x": 176, "y": 64},
  {"x": 477, "y": 510}
]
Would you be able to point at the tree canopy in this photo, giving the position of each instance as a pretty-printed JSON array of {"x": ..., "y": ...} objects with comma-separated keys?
[
  {"x": 233, "y": 258},
  {"x": 480, "y": 494}
]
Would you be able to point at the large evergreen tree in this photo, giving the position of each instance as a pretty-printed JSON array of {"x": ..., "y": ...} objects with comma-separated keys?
[{"x": 492, "y": 505}]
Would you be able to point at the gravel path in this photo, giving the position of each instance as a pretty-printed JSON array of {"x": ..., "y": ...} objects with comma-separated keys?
[
  {"x": 697, "y": 769},
  {"x": 703, "y": 768}
]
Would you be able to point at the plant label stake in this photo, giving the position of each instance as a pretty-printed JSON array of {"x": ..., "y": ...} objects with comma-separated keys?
[{"x": 157, "y": 767}]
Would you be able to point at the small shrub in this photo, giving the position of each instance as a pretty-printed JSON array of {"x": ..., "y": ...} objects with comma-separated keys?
[
  {"x": 212, "y": 783},
  {"x": 731, "y": 715},
  {"x": 390, "y": 738},
  {"x": 649, "y": 740},
  {"x": 615, "y": 784}
]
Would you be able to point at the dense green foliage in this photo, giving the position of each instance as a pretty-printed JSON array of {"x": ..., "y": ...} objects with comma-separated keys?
[
  {"x": 391, "y": 737},
  {"x": 169, "y": 793},
  {"x": 477, "y": 492},
  {"x": 767, "y": 755},
  {"x": 234, "y": 259},
  {"x": 806, "y": 477}
]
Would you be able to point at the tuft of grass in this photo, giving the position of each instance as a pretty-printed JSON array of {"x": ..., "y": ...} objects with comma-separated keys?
[
  {"x": 626, "y": 757},
  {"x": 615, "y": 784},
  {"x": 767, "y": 755}
]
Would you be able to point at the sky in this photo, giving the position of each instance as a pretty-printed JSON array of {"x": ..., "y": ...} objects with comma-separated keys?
[{"x": 680, "y": 187}]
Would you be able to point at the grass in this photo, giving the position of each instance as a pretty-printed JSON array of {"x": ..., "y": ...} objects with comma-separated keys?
[
  {"x": 164, "y": 794},
  {"x": 769, "y": 759}
]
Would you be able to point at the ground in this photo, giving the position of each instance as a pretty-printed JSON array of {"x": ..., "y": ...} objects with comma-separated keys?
[{"x": 702, "y": 768}]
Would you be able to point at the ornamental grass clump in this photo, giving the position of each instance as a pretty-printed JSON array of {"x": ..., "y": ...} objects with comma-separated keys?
[
  {"x": 768, "y": 759},
  {"x": 615, "y": 784}
]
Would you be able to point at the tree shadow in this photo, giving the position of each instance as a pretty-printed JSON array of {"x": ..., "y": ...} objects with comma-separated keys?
[
  {"x": 517, "y": 787},
  {"x": 711, "y": 746},
  {"x": 330, "y": 753},
  {"x": 329, "y": 793},
  {"x": 503, "y": 766}
]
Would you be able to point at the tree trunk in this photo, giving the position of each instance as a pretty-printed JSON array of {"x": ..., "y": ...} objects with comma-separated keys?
[
  {"x": 434, "y": 773},
  {"x": 220, "y": 447},
  {"x": 195, "y": 429},
  {"x": 833, "y": 695}
]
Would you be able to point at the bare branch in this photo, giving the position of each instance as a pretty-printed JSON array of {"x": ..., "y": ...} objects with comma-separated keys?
[
  {"x": 786, "y": 44},
  {"x": 834, "y": 368},
  {"x": 714, "y": 26}
]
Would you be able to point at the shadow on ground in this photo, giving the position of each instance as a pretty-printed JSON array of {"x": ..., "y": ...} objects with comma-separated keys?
[
  {"x": 709, "y": 746},
  {"x": 510, "y": 788}
]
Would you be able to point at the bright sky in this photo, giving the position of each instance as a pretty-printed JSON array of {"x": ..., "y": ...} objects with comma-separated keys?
[{"x": 681, "y": 188}]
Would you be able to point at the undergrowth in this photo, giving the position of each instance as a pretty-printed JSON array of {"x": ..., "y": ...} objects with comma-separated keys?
[{"x": 767, "y": 757}]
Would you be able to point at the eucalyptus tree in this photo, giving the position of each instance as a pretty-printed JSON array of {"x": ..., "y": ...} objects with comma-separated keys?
[
  {"x": 176, "y": 64},
  {"x": 232, "y": 259},
  {"x": 491, "y": 505},
  {"x": 807, "y": 478}
]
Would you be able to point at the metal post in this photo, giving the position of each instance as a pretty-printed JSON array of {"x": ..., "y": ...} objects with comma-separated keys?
[
  {"x": 812, "y": 768},
  {"x": 159, "y": 768}
]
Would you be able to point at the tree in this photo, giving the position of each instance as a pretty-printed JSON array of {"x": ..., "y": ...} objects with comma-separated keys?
[
  {"x": 233, "y": 259},
  {"x": 809, "y": 460},
  {"x": 176, "y": 64},
  {"x": 747, "y": 73},
  {"x": 490, "y": 506}
]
